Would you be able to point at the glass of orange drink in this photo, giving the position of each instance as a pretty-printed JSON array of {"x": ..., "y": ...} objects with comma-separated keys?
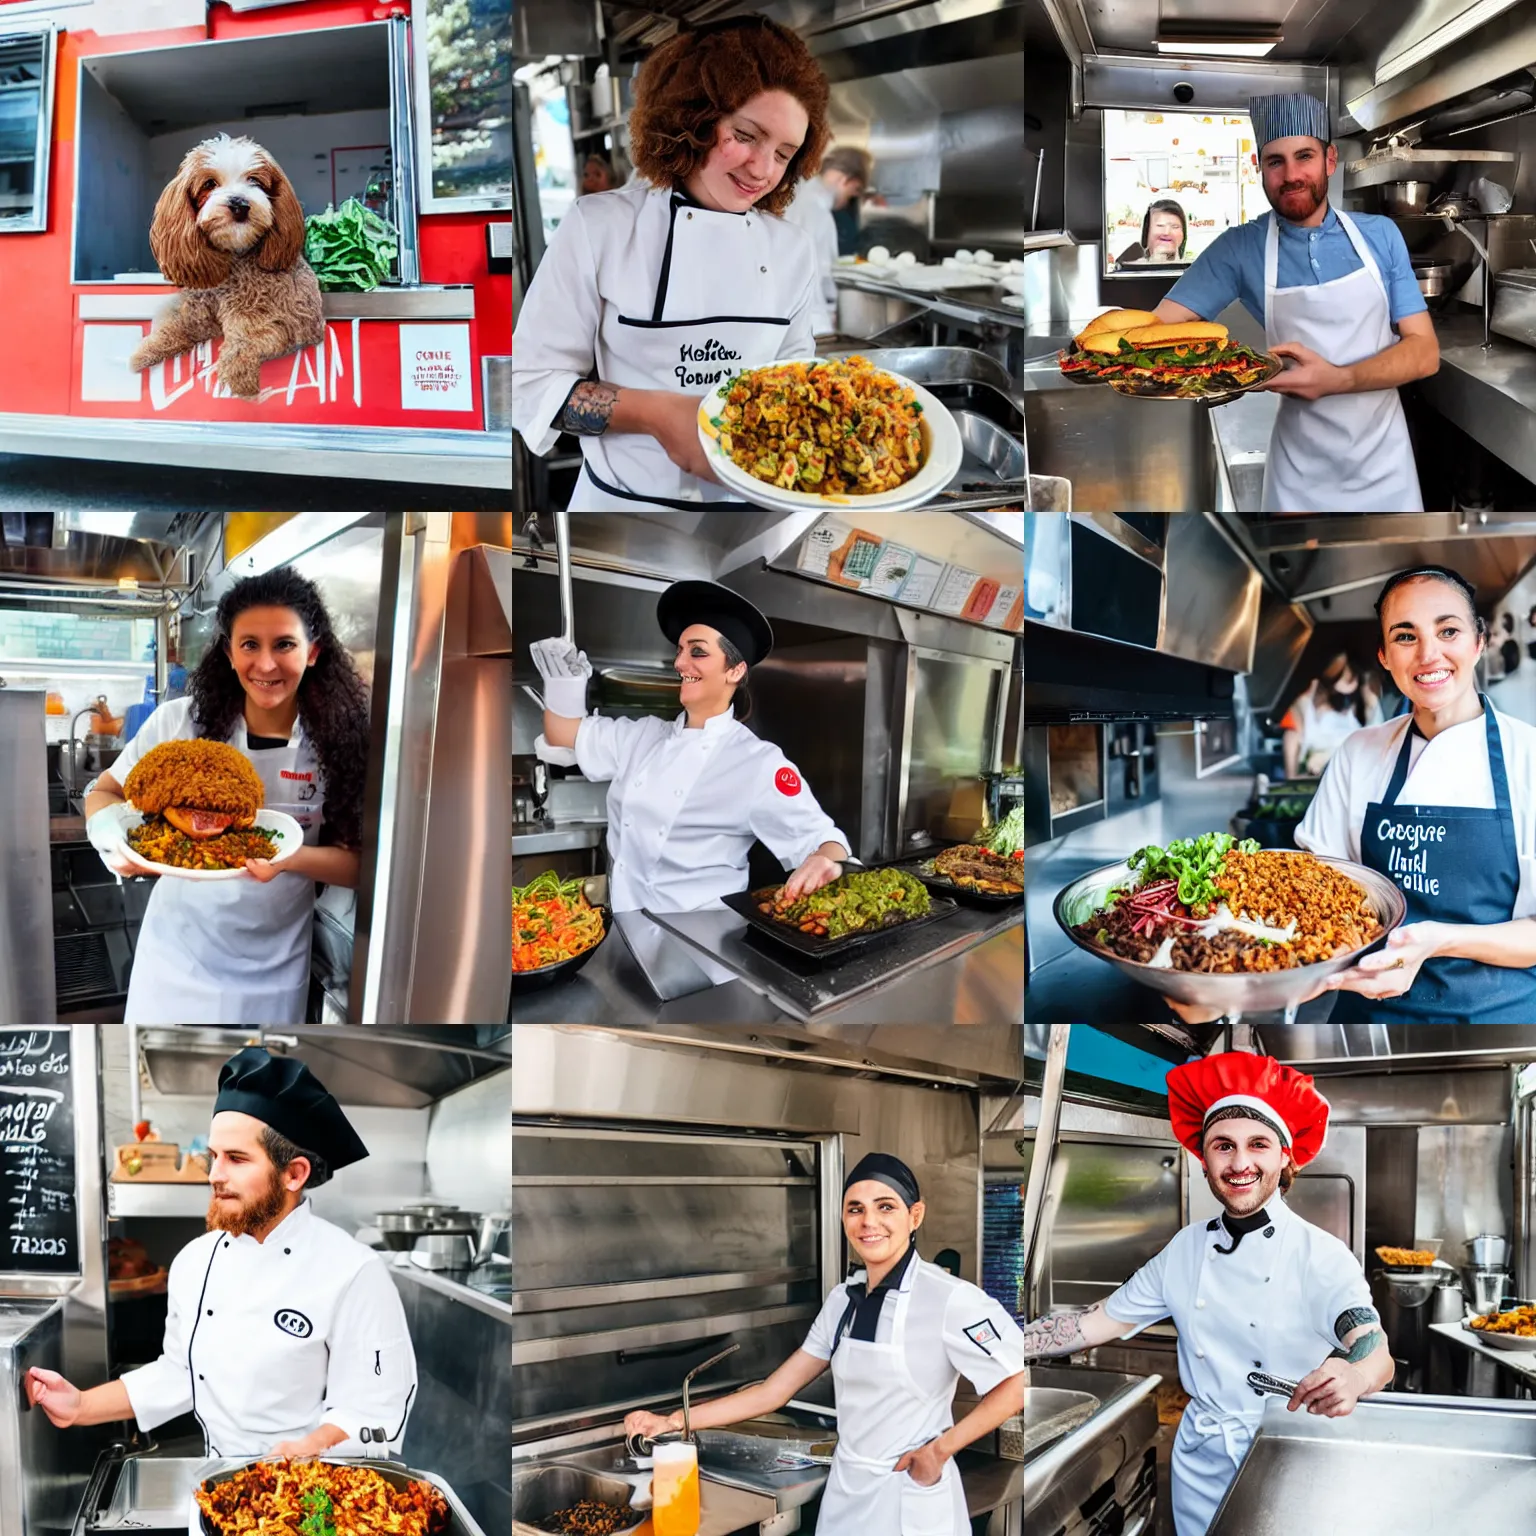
[{"x": 675, "y": 1490}]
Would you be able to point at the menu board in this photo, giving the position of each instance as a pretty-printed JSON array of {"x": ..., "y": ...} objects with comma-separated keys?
[
  {"x": 39, "y": 1227},
  {"x": 1173, "y": 182}
]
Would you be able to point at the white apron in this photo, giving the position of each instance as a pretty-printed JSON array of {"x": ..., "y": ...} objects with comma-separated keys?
[
  {"x": 1343, "y": 453},
  {"x": 718, "y": 309},
  {"x": 882, "y": 1413},
  {"x": 235, "y": 951},
  {"x": 1207, "y": 1452}
]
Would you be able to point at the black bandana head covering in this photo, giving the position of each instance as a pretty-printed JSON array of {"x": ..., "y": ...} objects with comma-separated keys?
[
  {"x": 286, "y": 1095},
  {"x": 887, "y": 1170}
]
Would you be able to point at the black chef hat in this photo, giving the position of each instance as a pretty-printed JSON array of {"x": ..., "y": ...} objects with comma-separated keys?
[
  {"x": 286, "y": 1095},
  {"x": 887, "y": 1170},
  {"x": 707, "y": 602}
]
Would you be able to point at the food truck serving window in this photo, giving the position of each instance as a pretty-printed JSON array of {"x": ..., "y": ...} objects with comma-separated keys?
[
  {"x": 26, "y": 109},
  {"x": 1173, "y": 181},
  {"x": 464, "y": 101}
]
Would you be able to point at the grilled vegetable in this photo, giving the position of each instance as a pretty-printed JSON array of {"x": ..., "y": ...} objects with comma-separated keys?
[{"x": 863, "y": 900}]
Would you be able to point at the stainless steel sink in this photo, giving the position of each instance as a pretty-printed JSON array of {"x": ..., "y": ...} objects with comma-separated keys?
[{"x": 151, "y": 1491}]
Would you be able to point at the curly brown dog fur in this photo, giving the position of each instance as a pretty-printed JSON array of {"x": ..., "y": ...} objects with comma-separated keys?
[
  {"x": 229, "y": 231},
  {"x": 197, "y": 775}
]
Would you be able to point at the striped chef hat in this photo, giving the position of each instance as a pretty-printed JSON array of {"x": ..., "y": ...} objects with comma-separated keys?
[{"x": 1281, "y": 117}]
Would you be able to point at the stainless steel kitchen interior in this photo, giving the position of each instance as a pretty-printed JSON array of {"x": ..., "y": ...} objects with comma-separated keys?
[
  {"x": 851, "y": 855},
  {"x": 679, "y": 1229},
  {"x": 1254, "y": 763},
  {"x": 1169, "y": 1391},
  {"x": 1145, "y": 157},
  {"x": 150, "y": 1183},
  {"x": 110, "y": 622}
]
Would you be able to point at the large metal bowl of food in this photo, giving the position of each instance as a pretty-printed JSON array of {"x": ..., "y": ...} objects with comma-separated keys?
[{"x": 1234, "y": 991}]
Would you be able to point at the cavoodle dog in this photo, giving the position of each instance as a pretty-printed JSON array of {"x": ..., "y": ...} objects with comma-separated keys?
[{"x": 229, "y": 232}]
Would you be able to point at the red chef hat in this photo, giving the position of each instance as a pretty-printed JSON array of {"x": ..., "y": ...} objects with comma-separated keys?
[{"x": 1280, "y": 1096}]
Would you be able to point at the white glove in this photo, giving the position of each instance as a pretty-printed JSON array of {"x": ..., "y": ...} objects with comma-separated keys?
[
  {"x": 103, "y": 830},
  {"x": 559, "y": 757},
  {"x": 559, "y": 658},
  {"x": 566, "y": 696}
]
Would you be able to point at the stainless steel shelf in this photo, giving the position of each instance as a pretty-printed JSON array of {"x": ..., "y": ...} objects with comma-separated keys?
[{"x": 157, "y": 1199}]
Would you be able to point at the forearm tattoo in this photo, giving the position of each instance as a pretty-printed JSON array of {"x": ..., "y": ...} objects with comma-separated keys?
[
  {"x": 1360, "y": 1348},
  {"x": 1061, "y": 1333},
  {"x": 1353, "y": 1317},
  {"x": 588, "y": 408}
]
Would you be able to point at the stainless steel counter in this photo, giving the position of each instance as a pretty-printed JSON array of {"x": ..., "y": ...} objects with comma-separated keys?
[
  {"x": 971, "y": 971},
  {"x": 1398, "y": 1462},
  {"x": 979, "y": 304},
  {"x": 530, "y": 837},
  {"x": 1490, "y": 395},
  {"x": 1521, "y": 1362}
]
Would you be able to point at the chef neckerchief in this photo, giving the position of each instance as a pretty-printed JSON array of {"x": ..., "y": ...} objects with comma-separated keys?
[
  {"x": 1476, "y": 864},
  {"x": 864, "y": 1306},
  {"x": 1239, "y": 1227}
]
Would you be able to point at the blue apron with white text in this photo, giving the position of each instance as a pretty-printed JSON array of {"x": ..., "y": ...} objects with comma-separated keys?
[{"x": 1455, "y": 864}]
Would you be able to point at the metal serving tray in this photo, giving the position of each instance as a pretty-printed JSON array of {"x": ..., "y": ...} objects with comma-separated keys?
[
  {"x": 744, "y": 903},
  {"x": 460, "y": 1521},
  {"x": 151, "y": 1491},
  {"x": 947, "y": 887}
]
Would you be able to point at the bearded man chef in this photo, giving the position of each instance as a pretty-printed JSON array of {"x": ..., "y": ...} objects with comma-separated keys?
[
  {"x": 1336, "y": 295},
  {"x": 283, "y": 1335},
  {"x": 1256, "y": 1289}
]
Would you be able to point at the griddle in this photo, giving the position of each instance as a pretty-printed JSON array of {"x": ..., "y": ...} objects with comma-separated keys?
[{"x": 744, "y": 904}]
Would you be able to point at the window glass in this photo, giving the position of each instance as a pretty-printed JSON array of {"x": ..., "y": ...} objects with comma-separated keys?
[
  {"x": 26, "y": 64},
  {"x": 1173, "y": 182},
  {"x": 469, "y": 80}
]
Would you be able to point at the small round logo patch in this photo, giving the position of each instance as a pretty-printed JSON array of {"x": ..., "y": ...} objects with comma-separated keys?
[
  {"x": 294, "y": 1323},
  {"x": 787, "y": 781}
]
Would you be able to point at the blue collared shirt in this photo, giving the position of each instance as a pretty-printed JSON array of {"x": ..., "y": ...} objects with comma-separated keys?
[{"x": 1233, "y": 267}]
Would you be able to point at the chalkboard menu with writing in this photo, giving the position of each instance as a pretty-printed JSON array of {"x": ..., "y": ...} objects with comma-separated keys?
[{"x": 39, "y": 1220}]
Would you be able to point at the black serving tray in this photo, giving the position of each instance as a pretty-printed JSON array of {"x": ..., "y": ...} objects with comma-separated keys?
[
  {"x": 944, "y": 886},
  {"x": 744, "y": 904},
  {"x": 548, "y": 975}
]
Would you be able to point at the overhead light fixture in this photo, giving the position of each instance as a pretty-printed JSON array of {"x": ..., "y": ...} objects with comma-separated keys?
[{"x": 1232, "y": 40}]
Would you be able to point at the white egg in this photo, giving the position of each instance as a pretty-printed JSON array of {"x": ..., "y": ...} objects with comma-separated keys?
[
  {"x": 879, "y": 253},
  {"x": 906, "y": 259},
  {"x": 949, "y": 261},
  {"x": 1016, "y": 267},
  {"x": 962, "y": 255},
  {"x": 984, "y": 257}
]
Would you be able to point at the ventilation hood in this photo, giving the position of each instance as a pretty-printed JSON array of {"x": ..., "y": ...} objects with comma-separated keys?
[
  {"x": 405, "y": 1067},
  {"x": 1384, "y": 1047}
]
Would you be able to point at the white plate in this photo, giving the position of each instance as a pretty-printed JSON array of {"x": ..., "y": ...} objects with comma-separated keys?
[
  {"x": 288, "y": 833},
  {"x": 941, "y": 444}
]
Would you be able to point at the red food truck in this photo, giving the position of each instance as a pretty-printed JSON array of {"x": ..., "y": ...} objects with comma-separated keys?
[{"x": 403, "y": 107}]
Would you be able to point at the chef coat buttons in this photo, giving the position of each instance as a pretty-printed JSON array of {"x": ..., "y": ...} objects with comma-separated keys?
[
  {"x": 762, "y": 269},
  {"x": 1200, "y": 1302},
  {"x": 210, "y": 1311},
  {"x": 1200, "y": 1354},
  {"x": 690, "y": 215},
  {"x": 287, "y": 1250},
  {"x": 1269, "y": 1231}
]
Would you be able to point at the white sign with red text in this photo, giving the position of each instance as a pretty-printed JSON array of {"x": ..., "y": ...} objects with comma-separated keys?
[{"x": 435, "y": 368}]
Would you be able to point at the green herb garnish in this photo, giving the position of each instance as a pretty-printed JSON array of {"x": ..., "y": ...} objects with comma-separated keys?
[
  {"x": 318, "y": 1510},
  {"x": 1193, "y": 862}
]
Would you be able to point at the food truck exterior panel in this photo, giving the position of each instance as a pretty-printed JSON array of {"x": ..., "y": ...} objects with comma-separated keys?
[{"x": 411, "y": 379}]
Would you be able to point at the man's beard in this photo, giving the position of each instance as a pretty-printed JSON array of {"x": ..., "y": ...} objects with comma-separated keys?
[
  {"x": 1317, "y": 193},
  {"x": 1246, "y": 1201},
  {"x": 242, "y": 1217}
]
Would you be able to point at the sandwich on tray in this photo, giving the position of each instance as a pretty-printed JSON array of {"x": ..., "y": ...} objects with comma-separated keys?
[
  {"x": 1187, "y": 358},
  {"x": 1099, "y": 339}
]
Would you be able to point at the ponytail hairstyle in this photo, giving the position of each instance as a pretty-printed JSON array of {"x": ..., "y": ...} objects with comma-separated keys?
[
  {"x": 333, "y": 701},
  {"x": 742, "y": 698}
]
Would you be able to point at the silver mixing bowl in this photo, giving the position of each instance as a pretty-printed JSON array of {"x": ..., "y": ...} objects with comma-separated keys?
[{"x": 1242, "y": 991}]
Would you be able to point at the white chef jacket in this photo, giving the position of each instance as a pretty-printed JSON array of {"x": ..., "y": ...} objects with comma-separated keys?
[
  {"x": 1450, "y": 769},
  {"x": 266, "y": 1341},
  {"x": 1272, "y": 1305},
  {"x": 812, "y": 211},
  {"x": 618, "y": 293},
  {"x": 684, "y": 807}
]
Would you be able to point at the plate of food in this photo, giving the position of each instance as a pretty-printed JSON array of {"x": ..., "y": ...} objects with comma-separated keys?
[
  {"x": 1187, "y": 360},
  {"x": 555, "y": 930},
  {"x": 349, "y": 1497},
  {"x": 1213, "y": 922},
  {"x": 846, "y": 913},
  {"x": 194, "y": 809},
  {"x": 1513, "y": 1329},
  {"x": 812, "y": 432},
  {"x": 1413, "y": 1260}
]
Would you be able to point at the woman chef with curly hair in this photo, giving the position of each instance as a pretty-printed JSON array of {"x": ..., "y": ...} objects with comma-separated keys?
[
  {"x": 651, "y": 295},
  {"x": 278, "y": 686}
]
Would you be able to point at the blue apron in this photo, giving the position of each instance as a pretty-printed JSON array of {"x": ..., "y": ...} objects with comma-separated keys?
[{"x": 1455, "y": 865}]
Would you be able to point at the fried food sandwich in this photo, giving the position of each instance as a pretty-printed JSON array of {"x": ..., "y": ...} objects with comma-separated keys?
[
  {"x": 1100, "y": 339},
  {"x": 199, "y": 800}
]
